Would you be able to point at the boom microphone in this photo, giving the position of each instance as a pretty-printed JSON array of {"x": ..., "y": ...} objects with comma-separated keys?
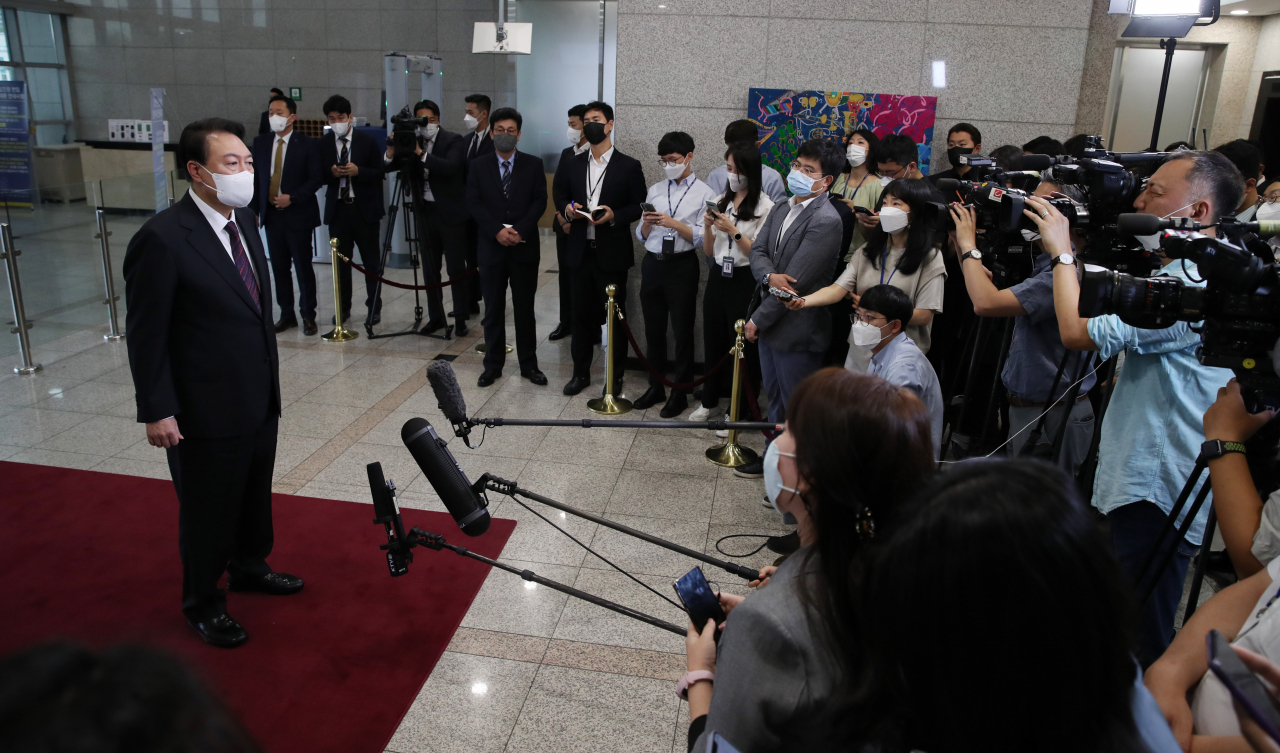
[
  {"x": 449, "y": 397},
  {"x": 465, "y": 505},
  {"x": 1149, "y": 224},
  {"x": 1035, "y": 162}
]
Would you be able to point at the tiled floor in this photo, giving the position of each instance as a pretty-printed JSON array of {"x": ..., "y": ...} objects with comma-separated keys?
[{"x": 530, "y": 669}]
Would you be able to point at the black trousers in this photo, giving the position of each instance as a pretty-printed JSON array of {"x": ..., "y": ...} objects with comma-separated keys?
[
  {"x": 589, "y": 282},
  {"x": 351, "y": 229},
  {"x": 471, "y": 251},
  {"x": 447, "y": 242},
  {"x": 523, "y": 278},
  {"x": 566, "y": 280},
  {"x": 291, "y": 248},
  {"x": 224, "y": 513},
  {"x": 724, "y": 303},
  {"x": 841, "y": 324},
  {"x": 669, "y": 291}
]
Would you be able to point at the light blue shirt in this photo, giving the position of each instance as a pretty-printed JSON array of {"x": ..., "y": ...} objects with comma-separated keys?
[
  {"x": 684, "y": 201},
  {"x": 771, "y": 182},
  {"x": 1154, "y": 424},
  {"x": 902, "y": 364}
]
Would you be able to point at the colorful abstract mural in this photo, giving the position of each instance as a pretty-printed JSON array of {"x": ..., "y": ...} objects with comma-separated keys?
[{"x": 788, "y": 118}]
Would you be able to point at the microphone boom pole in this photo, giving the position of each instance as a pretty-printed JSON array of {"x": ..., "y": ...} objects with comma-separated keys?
[{"x": 592, "y": 423}]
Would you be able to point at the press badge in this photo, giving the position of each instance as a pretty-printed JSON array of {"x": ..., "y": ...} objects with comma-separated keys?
[
  {"x": 668, "y": 245},
  {"x": 726, "y": 266}
]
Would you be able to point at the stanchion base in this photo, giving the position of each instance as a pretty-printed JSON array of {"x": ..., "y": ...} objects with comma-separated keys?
[
  {"x": 480, "y": 347},
  {"x": 731, "y": 455},
  {"x": 27, "y": 370},
  {"x": 113, "y": 338},
  {"x": 340, "y": 334},
  {"x": 609, "y": 405}
]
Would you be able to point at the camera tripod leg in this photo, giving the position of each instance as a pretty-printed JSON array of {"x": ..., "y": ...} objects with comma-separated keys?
[
  {"x": 1202, "y": 564},
  {"x": 1160, "y": 553}
]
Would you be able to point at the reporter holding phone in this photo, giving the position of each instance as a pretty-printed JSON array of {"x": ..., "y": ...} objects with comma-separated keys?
[
  {"x": 792, "y": 648},
  {"x": 727, "y": 235}
]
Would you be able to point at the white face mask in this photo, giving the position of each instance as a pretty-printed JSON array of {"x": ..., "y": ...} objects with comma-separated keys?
[
  {"x": 773, "y": 483},
  {"x": 885, "y": 180},
  {"x": 674, "y": 171},
  {"x": 470, "y": 122},
  {"x": 234, "y": 190},
  {"x": 736, "y": 182},
  {"x": 1152, "y": 242},
  {"x": 428, "y": 131},
  {"x": 340, "y": 129},
  {"x": 893, "y": 219},
  {"x": 574, "y": 135},
  {"x": 1268, "y": 212},
  {"x": 866, "y": 336},
  {"x": 856, "y": 154},
  {"x": 278, "y": 123}
]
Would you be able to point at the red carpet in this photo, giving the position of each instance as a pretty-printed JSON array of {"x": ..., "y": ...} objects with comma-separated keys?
[{"x": 94, "y": 556}]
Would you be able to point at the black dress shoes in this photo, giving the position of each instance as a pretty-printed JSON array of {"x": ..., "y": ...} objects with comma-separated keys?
[
  {"x": 284, "y": 324},
  {"x": 576, "y": 385},
  {"x": 276, "y": 584},
  {"x": 309, "y": 327},
  {"x": 462, "y": 330},
  {"x": 435, "y": 325},
  {"x": 651, "y": 397},
  {"x": 377, "y": 319},
  {"x": 676, "y": 405},
  {"x": 488, "y": 378},
  {"x": 787, "y": 544},
  {"x": 559, "y": 333},
  {"x": 534, "y": 375},
  {"x": 220, "y": 631}
]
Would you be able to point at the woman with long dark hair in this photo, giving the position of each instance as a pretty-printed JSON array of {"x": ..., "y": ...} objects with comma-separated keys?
[
  {"x": 1000, "y": 622},
  {"x": 857, "y": 189},
  {"x": 901, "y": 251},
  {"x": 727, "y": 235},
  {"x": 853, "y": 446}
]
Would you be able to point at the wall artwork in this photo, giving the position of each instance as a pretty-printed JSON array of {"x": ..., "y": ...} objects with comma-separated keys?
[{"x": 788, "y": 118}]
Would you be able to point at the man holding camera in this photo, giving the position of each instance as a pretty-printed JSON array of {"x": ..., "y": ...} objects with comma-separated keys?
[
  {"x": 1151, "y": 434},
  {"x": 439, "y": 162},
  {"x": 353, "y": 201}
]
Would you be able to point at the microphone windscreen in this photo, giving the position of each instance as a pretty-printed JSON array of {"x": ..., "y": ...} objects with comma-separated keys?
[
  {"x": 448, "y": 394},
  {"x": 446, "y": 478},
  {"x": 1138, "y": 224},
  {"x": 1033, "y": 162},
  {"x": 1268, "y": 228},
  {"x": 948, "y": 184}
]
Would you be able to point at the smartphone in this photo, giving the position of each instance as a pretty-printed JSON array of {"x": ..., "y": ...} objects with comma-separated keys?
[
  {"x": 781, "y": 294},
  {"x": 1245, "y": 687},
  {"x": 699, "y": 600},
  {"x": 862, "y": 210},
  {"x": 596, "y": 214},
  {"x": 647, "y": 207},
  {"x": 712, "y": 208}
]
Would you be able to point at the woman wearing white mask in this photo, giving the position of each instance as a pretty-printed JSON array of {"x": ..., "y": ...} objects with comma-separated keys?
[
  {"x": 859, "y": 187},
  {"x": 790, "y": 653},
  {"x": 900, "y": 252},
  {"x": 1269, "y": 211}
]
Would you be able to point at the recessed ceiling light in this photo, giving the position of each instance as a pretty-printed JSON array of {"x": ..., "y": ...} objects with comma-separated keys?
[{"x": 1239, "y": 12}]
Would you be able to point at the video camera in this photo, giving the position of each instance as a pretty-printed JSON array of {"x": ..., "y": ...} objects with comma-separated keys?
[{"x": 404, "y": 133}]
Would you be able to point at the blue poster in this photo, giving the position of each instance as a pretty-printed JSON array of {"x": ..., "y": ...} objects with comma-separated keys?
[{"x": 15, "y": 145}]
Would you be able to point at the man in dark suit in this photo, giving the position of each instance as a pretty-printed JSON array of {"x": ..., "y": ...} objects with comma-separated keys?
[
  {"x": 206, "y": 373},
  {"x": 578, "y": 145},
  {"x": 287, "y": 178},
  {"x": 507, "y": 193},
  {"x": 479, "y": 142},
  {"x": 353, "y": 207},
  {"x": 600, "y": 249},
  {"x": 440, "y": 161},
  {"x": 264, "y": 125}
]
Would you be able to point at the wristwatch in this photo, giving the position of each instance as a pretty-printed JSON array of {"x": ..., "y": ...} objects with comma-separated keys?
[
  {"x": 1216, "y": 448},
  {"x": 737, "y": 237},
  {"x": 1066, "y": 258},
  {"x": 972, "y": 253}
]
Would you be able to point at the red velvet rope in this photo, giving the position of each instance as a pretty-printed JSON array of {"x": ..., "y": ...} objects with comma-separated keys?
[
  {"x": 663, "y": 380},
  {"x": 402, "y": 286}
]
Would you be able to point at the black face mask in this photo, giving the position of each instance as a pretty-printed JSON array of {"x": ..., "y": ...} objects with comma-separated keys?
[
  {"x": 953, "y": 154},
  {"x": 594, "y": 132}
]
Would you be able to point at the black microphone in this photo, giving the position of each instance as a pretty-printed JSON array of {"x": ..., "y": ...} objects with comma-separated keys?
[
  {"x": 947, "y": 184},
  {"x": 385, "y": 513},
  {"x": 1033, "y": 162},
  {"x": 1148, "y": 224},
  {"x": 465, "y": 505},
  {"x": 449, "y": 397}
]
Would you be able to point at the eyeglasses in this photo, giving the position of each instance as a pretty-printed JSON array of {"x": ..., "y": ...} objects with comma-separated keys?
[
  {"x": 806, "y": 170},
  {"x": 666, "y": 163},
  {"x": 865, "y": 318},
  {"x": 891, "y": 174}
]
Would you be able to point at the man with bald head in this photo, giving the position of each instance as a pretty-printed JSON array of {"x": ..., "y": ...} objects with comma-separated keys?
[{"x": 202, "y": 350}]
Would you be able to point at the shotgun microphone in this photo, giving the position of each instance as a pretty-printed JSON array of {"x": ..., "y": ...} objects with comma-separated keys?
[
  {"x": 466, "y": 506},
  {"x": 449, "y": 398}
]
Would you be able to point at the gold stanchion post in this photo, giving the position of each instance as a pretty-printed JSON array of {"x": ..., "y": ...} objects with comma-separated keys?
[
  {"x": 340, "y": 334},
  {"x": 731, "y": 454},
  {"x": 609, "y": 405}
]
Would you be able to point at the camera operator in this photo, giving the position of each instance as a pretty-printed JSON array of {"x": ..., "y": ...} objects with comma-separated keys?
[
  {"x": 1151, "y": 433},
  {"x": 1036, "y": 351},
  {"x": 439, "y": 159},
  {"x": 1248, "y": 160},
  {"x": 962, "y": 139}
]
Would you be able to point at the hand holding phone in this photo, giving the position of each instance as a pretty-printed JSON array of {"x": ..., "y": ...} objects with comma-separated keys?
[
  {"x": 699, "y": 600},
  {"x": 646, "y": 207},
  {"x": 1247, "y": 690},
  {"x": 712, "y": 209},
  {"x": 785, "y": 296}
]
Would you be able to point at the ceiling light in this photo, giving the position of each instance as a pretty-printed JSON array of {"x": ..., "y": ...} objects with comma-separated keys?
[{"x": 939, "y": 74}]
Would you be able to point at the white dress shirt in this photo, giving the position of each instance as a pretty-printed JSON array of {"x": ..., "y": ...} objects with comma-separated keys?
[
  {"x": 726, "y": 246},
  {"x": 796, "y": 210},
  {"x": 219, "y": 225},
  {"x": 595, "y": 180},
  {"x": 426, "y": 174},
  {"x": 685, "y": 201},
  {"x": 474, "y": 144}
]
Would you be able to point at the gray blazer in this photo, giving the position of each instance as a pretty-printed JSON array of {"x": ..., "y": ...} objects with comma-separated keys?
[
  {"x": 772, "y": 673},
  {"x": 808, "y": 252}
]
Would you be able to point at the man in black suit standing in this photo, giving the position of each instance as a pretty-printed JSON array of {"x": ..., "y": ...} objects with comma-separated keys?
[
  {"x": 578, "y": 145},
  {"x": 507, "y": 193},
  {"x": 479, "y": 143},
  {"x": 353, "y": 202},
  {"x": 601, "y": 192},
  {"x": 288, "y": 177},
  {"x": 264, "y": 125},
  {"x": 440, "y": 159},
  {"x": 206, "y": 373}
]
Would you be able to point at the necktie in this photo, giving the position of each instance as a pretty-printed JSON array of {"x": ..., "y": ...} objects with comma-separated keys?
[
  {"x": 506, "y": 178},
  {"x": 242, "y": 264},
  {"x": 345, "y": 192},
  {"x": 274, "y": 189}
]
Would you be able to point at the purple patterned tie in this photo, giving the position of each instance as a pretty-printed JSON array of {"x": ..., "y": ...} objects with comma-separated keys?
[{"x": 242, "y": 264}]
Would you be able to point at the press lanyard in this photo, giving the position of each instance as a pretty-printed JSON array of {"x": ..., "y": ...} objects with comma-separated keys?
[
  {"x": 677, "y": 206},
  {"x": 592, "y": 189},
  {"x": 884, "y": 259},
  {"x": 854, "y": 195}
]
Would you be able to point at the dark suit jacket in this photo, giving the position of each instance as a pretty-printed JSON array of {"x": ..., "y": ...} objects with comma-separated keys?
[
  {"x": 264, "y": 125},
  {"x": 446, "y": 166},
  {"x": 198, "y": 348},
  {"x": 522, "y": 209},
  {"x": 301, "y": 179},
  {"x": 485, "y": 147},
  {"x": 566, "y": 157},
  {"x": 622, "y": 189},
  {"x": 367, "y": 183}
]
